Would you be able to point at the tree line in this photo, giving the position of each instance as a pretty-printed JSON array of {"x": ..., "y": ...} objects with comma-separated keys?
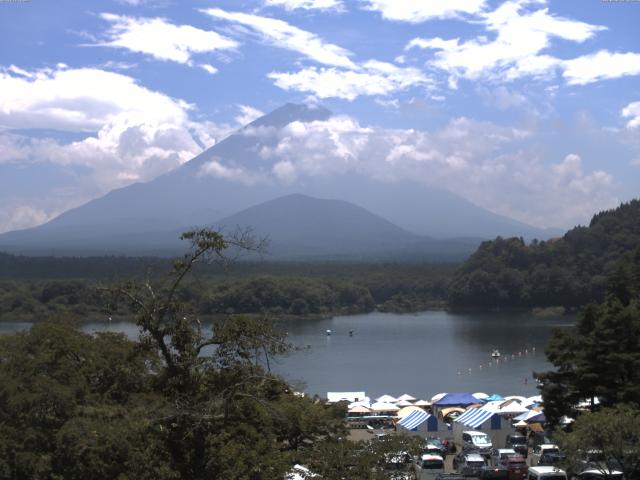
[
  {"x": 596, "y": 377},
  {"x": 570, "y": 271},
  {"x": 286, "y": 290}
]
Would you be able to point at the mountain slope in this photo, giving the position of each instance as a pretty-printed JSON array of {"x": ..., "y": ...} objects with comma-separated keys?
[
  {"x": 142, "y": 218},
  {"x": 303, "y": 227}
]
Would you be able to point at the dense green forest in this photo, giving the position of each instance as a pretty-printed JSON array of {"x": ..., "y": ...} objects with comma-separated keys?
[
  {"x": 53, "y": 286},
  {"x": 75, "y": 406},
  {"x": 570, "y": 271}
]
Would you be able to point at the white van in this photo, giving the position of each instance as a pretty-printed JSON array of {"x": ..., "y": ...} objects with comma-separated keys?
[
  {"x": 428, "y": 466},
  {"x": 546, "y": 473},
  {"x": 475, "y": 440}
]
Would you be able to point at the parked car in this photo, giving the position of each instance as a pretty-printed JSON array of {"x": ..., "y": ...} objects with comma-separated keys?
[
  {"x": 427, "y": 466},
  {"x": 517, "y": 467},
  {"x": 468, "y": 464},
  {"x": 546, "y": 473},
  {"x": 542, "y": 449},
  {"x": 435, "y": 445},
  {"x": 498, "y": 472},
  {"x": 499, "y": 454},
  {"x": 475, "y": 440},
  {"x": 550, "y": 458},
  {"x": 599, "y": 474},
  {"x": 517, "y": 442}
]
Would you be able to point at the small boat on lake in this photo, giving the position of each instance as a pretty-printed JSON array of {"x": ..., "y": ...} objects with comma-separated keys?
[{"x": 495, "y": 353}]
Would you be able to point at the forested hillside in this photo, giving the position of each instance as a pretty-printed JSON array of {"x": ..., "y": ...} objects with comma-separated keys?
[
  {"x": 569, "y": 271},
  {"x": 51, "y": 286}
]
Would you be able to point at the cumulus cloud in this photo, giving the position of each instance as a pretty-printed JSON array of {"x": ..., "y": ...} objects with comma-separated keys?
[
  {"x": 161, "y": 39},
  {"x": 283, "y": 35},
  {"x": 247, "y": 114},
  {"x": 374, "y": 78},
  {"x": 601, "y": 65},
  {"x": 480, "y": 161},
  {"x": 74, "y": 99},
  {"x": 632, "y": 112},
  {"x": 133, "y": 134},
  {"x": 307, "y": 4},
  {"x": 416, "y": 11},
  {"x": 521, "y": 35},
  {"x": 216, "y": 168}
]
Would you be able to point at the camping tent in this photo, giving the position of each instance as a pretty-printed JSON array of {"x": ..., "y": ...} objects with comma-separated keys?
[
  {"x": 484, "y": 420},
  {"x": 456, "y": 400},
  {"x": 494, "y": 397},
  {"x": 384, "y": 407},
  {"x": 387, "y": 399},
  {"x": 419, "y": 423},
  {"x": 335, "y": 397},
  {"x": 406, "y": 397},
  {"x": 513, "y": 408}
]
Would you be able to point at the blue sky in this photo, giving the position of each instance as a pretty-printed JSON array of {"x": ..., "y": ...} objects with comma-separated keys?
[{"x": 529, "y": 108}]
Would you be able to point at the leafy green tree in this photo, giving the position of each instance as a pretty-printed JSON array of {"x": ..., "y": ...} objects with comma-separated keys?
[
  {"x": 181, "y": 403},
  {"x": 614, "y": 433},
  {"x": 600, "y": 356}
]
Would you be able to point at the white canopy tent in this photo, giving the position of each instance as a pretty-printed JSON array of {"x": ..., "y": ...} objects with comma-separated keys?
[
  {"x": 407, "y": 398},
  {"x": 384, "y": 407},
  {"x": 387, "y": 399},
  {"x": 335, "y": 397}
]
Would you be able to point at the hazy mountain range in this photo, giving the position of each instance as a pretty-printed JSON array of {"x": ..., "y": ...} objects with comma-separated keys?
[{"x": 328, "y": 216}]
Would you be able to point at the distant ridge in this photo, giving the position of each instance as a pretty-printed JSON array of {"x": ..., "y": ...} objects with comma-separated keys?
[{"x": 143, "y": 218}]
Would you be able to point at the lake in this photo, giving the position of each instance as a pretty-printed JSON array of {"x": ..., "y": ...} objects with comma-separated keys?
[{"x": 421, "y": 354}]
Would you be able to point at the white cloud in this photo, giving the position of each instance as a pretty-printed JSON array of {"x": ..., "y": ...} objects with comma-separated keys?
[
  {"x": 520, "y": 37},
  {"x": 374, "y": 78},
  {"x": 208, "y": 68},
  {"x": 216, "y": 169},
  {"x": 161, "y": 39},
  {"x": 247, "y": 114},
  {"x": 601, "y": 65},
  {"x": 133, "y": 134},
  {"x": 18, "y": 217},
  {"x": 632, "y": 112},
  {"x": 283, "y": 35},
  {"x": 473, "y": 159},
  {"x": 416, "y": 11},
  {"x": 307, "y": 4},
  {"x": 74, "y": 99}
]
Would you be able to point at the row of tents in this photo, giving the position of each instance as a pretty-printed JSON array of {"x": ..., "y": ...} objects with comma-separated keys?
[{"x": 448, "y": 414}]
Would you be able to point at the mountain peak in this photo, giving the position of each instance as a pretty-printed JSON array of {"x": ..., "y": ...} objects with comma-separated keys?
[{"x": 292, "y": 112}]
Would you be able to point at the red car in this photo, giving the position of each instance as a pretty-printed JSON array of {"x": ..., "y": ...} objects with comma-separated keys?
[{"x": 517, "y": 467}]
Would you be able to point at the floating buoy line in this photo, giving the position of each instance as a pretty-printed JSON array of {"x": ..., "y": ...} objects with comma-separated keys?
[{"x": 497, "y": 361}]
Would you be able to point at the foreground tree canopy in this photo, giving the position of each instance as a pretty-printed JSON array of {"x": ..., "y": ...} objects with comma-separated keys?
[
  {"x": 570, "y": 271},
  {"x": 180, "y": 403},
  {"x": 600, "y": 356}
]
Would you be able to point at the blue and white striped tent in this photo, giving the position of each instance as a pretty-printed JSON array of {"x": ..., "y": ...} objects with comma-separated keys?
[
  {"x": 474, "y": 417},
  {"x": 418, "y": 422},
  {"x": 487, "y": 420}
]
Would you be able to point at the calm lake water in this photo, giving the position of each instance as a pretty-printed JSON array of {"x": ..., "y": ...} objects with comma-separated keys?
[{"x": 421, "y": 354}]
